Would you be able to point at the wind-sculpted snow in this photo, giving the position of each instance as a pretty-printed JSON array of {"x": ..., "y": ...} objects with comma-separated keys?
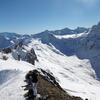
[{"x": 6, "y": 75}]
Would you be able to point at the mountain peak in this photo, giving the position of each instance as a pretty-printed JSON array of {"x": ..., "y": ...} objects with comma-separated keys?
[
  {"x": 81, "y": 29},
  {"x": 95, "y": 29}
]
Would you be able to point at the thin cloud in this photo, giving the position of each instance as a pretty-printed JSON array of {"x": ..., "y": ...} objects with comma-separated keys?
[{"x": 89, "y": 3}]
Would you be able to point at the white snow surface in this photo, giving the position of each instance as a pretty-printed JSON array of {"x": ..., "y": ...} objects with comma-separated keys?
[
  {"x": 74, "y": 75},
  {"x": 71, "y": 36},
  {"x": 11, "y": 88}
]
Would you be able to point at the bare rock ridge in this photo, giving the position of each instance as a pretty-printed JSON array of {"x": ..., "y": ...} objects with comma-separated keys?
[{"x": 49, "y": 88}]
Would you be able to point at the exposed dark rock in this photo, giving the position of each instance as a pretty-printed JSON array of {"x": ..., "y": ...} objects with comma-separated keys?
[
  {"x": 31, "y": 56},
  {"x": 7, "y": 50},
  {"x": 48, "y": 89},
  {"x": 54, "y": 92}
]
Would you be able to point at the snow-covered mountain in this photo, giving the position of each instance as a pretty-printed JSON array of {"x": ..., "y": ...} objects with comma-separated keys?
[
  {"x": 72, "y": 58},
  {"x": 67, "y": 31},
  {"x": 90, "y": 48},
  {"x": 9, "y": 39},
  {"x": 84, "y": 45}
]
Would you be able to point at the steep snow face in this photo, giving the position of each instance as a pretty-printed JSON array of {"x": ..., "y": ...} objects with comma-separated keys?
[{"x": 76, "y": 76}]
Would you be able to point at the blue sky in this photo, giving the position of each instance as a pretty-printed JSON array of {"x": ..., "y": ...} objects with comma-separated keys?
[{"x": 33, "y": 16}]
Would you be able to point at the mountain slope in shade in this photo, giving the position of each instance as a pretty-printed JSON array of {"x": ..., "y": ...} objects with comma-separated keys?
[
  {"x": 89, "y": 48},
  {"x": 8, "y": 39}
]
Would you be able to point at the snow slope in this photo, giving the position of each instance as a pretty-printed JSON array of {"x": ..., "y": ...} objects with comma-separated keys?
[
  {"x": 76, "y": 76},
  {"x": 12, "y": 73}
]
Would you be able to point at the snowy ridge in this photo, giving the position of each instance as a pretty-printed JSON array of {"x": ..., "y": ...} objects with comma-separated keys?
[
  {"x": 73, "y": 74},
  {"x": 72, "y": 59}
]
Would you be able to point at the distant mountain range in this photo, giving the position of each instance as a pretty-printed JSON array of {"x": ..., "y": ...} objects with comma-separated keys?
[
  {"x": 67, "y": 31},
  {"x": 10, "y": 38}
]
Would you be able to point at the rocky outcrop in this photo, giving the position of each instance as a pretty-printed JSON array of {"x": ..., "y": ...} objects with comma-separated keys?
[{"x": 49, "y": 88}]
